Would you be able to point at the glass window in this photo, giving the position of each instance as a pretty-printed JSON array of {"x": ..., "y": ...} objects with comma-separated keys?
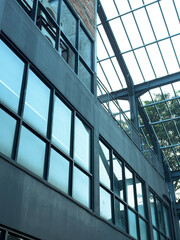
[
  {"x": 85, "y": 76},
  {"x": 120, "y": 213},
  {"x": 7, "y": 130},
  {"x": 143, "y": 229},
  {"x": 160, "y": 215},
  {"x": 153, "y": 211},
  {"x": 31, "y": 152},
  {"x": 52, "y": 7},
  {"x": 166, "y": 221},
  {"x": 82, "y": 143},
  {"x": 85, "y": 47},
  {"x": 129, "y": 188},
  {"x": 67, "y": 54},
  {"x": 155, "y": 235},
  {"x": 61, "y": 126},
  {"x": 12, "y": 237},
  {"x": 132, "y": 224},
  {"x": 11, "y": 73},
  {"x": 140, "y": 201},
  {"x": 81, "y": 187},
  {"x": 68, "y": 24},
  {"x": 58, "y": 171},
  {"x": 118, "y": 177},
  {"x": 105, "y": 205},
  {"x": 37, "y": 103},
  {"x": 104, "y": 165}
]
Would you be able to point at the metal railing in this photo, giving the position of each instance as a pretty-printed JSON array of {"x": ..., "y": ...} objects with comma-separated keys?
[{"x": 124, "y": 123}]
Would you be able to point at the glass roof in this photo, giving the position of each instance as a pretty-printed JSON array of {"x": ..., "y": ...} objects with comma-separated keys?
[{"x": 148, "y": 36}]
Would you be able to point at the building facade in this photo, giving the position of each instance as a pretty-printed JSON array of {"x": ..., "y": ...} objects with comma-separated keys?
[{"x": 67, "y": 170}]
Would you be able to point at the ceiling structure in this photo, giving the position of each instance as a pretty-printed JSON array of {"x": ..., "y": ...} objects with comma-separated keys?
[{"x": 138, "y": 63}]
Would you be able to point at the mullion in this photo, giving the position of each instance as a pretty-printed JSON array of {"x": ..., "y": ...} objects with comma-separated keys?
[
  {"x": 156, "y": 38},
  {"x": 169, "y": 34}
]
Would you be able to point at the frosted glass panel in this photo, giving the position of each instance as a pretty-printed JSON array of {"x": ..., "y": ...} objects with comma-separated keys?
[
  {"x": 82, "y": 144},
  {"x": 105, "y": 204},
  {"x": 61, "y": 129},
  {"x": 58, "y": 171},
  {"x": 7, "y": 130},
  {"x": 81, "y": 187},
  {"x": 11, "y": 73},
  {"x": 31, "y": 152},
  {"x": 37, "y": 103}
]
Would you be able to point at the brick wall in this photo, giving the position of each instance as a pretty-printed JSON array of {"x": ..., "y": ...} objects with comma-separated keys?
[{"x": 86, "y": 11}]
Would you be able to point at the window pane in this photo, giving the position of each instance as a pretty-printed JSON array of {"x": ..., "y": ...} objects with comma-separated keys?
[
  {"x": 132, "y": 224},
  {"x": 52, "y": 7},
  {"x": 118, "y": 177},
  {"x": 104, "y": 165},
  {"x": 12, "y": 237},
  {"x": 143, "y": 229},
  {"x": 58, "y": 171},
  {"x": 160, "y": 215},
  {"x": 11, "y": 73},
  {"x": 140, "y": 201},
  {"x": 120, "y": 215},
  {"x": 155, "y": 234},
  {"x": 81, "y": 187},
  {"x": 105, "y": 205},
  {"x": 166, "y": 221},
  {"x": 61, "y": 127},
  {"x": 85, "y": 47},
  {"x": 31, "y": 152},
  {"x": 129, "y": 188},
  {"x": 152, "y": 206},
  {"x": 82, "y": 144},
  {"x": 85, "y": 76},
  {"x": 37, "y": 103},
  {"x": 68, "y": 24},
  {"x": 67, "y": 54},
  {"x": 7, "y": 130}
]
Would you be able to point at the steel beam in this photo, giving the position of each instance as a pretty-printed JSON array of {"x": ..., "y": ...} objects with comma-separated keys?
[
  {"x": 142, "y": 88},
  {"x": 122, "y": 64},
  {"x": 175, "y": 175}
]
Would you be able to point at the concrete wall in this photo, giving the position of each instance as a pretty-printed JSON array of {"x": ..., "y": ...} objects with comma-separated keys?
[{"x": 28, "y": 203}]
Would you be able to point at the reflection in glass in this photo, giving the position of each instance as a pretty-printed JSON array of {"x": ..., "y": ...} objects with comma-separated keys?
[
  {"x": 152, "y": 206},
  {"x": 68, "y": 24},
  {"x": 143, "y": 229},
  {"x": 61, "y": 126},
  {"x": 82, "y": 143},
  {"x": 104, "y": 165},
  {"x": 160, "y": 215},
  {"x": 166, "y": 220},
  {"x": 36, "y": 103},
  {"x": 120, "y": 213},
  {"x": 85, "y": 47},
  {"x": 129, "y": 188},
  {"x": 105, "y": 204},
  {"x": 52, "y": 7},
  {"x": 155, "y": 234},
  {"x": 11, "y": 73},
  {"x": 140, "y": 201},
  {"x": 31, "y": 152},
  {"x": 81, "y": 187},
  {"x": 58, "y": 171},
  {"x": 12, "y": 237},
  {"x": 85, "y": 76},
  {"x": 118, "y": 177},
  {"x": 7, "y": 130},
  {"x": 132, "y": 224}
]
